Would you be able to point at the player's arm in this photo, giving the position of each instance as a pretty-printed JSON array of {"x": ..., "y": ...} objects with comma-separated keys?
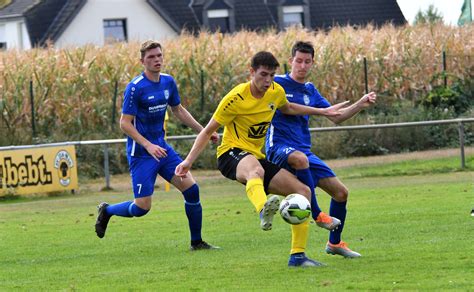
[
  {"x": 350, "y": 111},
  {"x": 186, "y": 118},
  {"x": 126, "y": 125},
  {"x": 295, "y": 109},
  {"x": 199, "y": 145}
]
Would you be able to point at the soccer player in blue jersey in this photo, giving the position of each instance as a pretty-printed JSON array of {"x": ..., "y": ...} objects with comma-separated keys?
[
  {"x": 288, "y": 142},
  {"x": 146, "y": 99}
]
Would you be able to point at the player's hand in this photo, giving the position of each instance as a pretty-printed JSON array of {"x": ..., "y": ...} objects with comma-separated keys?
[
  {"x": 368, "y": 100},
  {"x": 156, "y": 151},
  {"x": 335, "y": 110},
  {"x": 182, "y": 169},
  {"x": 214, "y": 138}
]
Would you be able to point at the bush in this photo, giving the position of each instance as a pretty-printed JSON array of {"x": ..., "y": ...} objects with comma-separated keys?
[{"x": 458, "y": 97}]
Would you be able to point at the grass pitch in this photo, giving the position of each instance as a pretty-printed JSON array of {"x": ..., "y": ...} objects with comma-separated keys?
[{"x": 414, "y": 232}]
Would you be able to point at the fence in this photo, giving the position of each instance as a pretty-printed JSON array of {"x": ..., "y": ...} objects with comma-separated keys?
[{"x": 460, "y": 123}]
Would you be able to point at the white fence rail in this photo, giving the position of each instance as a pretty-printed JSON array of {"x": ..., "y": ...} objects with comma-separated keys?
[{"x": 460, "y": 123}]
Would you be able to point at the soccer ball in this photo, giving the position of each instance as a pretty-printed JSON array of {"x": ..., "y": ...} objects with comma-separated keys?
[{"x": 295, "y": 209}]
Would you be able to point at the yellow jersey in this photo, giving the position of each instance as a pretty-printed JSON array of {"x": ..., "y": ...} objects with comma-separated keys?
[{"x": 246, "y": 119}]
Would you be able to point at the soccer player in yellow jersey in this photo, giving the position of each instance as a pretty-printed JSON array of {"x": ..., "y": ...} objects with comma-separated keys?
[{"x": 246, "y": 112}]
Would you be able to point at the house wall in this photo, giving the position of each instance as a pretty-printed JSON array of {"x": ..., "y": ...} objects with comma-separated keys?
[
  {"x": 143, "y": 22},
  {"x": 14, "y": 33}
]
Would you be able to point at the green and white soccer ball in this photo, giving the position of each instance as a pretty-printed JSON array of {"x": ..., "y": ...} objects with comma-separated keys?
[{"x": 295, "y": 209}]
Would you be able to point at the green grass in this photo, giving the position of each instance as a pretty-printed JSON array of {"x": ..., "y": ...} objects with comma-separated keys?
[
  {"x": 408, "y": 167},
  {"x": 414, "y": 233}
]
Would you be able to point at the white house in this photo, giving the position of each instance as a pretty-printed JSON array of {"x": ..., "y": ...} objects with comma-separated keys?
[
  {"x": 13, "y": 31},
  {"x": 13, "y": 34},
  {"x": 102, "y": 21},
  {"x": 28, "y": 23}
]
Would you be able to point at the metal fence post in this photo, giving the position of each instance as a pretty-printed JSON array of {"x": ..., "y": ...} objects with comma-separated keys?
[
  {"x": 106, "y": 168},
  {"x": 114, "y": 102},
  {"x": 445, "y": 67},
  {"x": 32, "y": 102},
  {"x": 202, "y": 91},
  {"x": 366, "y": 76},
  {"x": 461, "y": 144}
]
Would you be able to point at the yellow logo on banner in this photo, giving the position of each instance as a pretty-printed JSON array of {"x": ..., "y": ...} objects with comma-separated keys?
[{"x": 38, "y": 170}]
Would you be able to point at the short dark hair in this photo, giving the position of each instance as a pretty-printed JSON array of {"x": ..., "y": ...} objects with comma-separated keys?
[
  {"x": 265, "y": 59},
  {"x": 149, "y": 45},
  {"x": 303, "y": 47}
]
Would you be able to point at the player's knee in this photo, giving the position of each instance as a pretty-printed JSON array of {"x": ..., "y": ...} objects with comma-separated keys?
[
  {"x": 143, "y": 203},
  {"x": 342, "y": 194},
  {"x": 257, "y": 172},
  {"x": 305, "y": 191},
  {"x": 136, "y": 211},
  {"x": 298, "y": 160},
  {"x": 191, "y": 195}
]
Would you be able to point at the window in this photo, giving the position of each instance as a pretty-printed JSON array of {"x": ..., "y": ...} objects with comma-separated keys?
[
  {"x": 3, "y": 39},
  {"x": 218, "y": 20},
  {"x": 115, "y": 30},
  {"x": 293, "y": 15}
]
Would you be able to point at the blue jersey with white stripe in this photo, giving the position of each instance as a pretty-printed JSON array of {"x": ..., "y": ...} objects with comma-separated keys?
[
  {"x": 147, "y": 101},
  {"x": 294, "y": 130}
]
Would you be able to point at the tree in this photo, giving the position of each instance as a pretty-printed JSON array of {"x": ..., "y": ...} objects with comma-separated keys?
[{"x": 431, "y": 15}]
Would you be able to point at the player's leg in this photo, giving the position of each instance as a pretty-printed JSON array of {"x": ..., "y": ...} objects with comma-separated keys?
[
  {"x": 299, "y": 162},
  {"x": 237, "y": 164},
  {"x": 299, "y": 239},
  {"x": 339, "y": 194},
  {"x": 250, "y": 172},
  {"x": 143, "y": 172},
  {"x": 192, "y": 203},
  {"x": 285, "y": 183}
]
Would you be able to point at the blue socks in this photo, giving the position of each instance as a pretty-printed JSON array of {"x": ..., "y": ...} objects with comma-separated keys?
[
  {"x": 192, "y": 206},
  {"x": 126, "y": 209},
  {"x": 193, "y": 209},
  {"x": 304, "y": 175},
  {"x": 338, "y": 210}
]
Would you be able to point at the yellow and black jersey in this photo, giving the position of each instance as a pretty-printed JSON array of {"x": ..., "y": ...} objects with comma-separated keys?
[{"x": 246, "y": 118}]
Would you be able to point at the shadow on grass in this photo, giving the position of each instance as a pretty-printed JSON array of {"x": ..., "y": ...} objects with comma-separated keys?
[
  {"x": 15, "y": 198},
  {"x": 9, "y": 198}
]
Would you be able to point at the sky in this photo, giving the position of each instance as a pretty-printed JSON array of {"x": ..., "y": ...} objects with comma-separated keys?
[{"x": 450, "y": 9}]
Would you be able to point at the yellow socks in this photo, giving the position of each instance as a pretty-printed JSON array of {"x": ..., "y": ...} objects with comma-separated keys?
[
  {"x": 299, "y": 233},
  {"x": 256, "y": 193},
  {"x": 299, "y": 237}
]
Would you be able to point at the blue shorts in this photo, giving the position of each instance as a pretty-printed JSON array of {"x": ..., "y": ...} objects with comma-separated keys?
[
  {"x": 279, "y": 153},
  {"x": 144, "y": 170}
]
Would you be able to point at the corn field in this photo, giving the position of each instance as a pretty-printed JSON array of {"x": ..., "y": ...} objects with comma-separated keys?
[{"x": 73, "y": 89}]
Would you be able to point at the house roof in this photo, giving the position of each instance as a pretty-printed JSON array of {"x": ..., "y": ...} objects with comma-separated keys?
[
  {"x": 258, "y": 14},
  {"x": 44, "y": 19},
  {"x": 47, "y": 20},
  {"x": 188, "y": 14},
  {"x": 253, "y": 15},
  {"x": 17, "y": 8},
  {"x": 325, "y": 14},
  {"x": 178, "y": 14}
]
